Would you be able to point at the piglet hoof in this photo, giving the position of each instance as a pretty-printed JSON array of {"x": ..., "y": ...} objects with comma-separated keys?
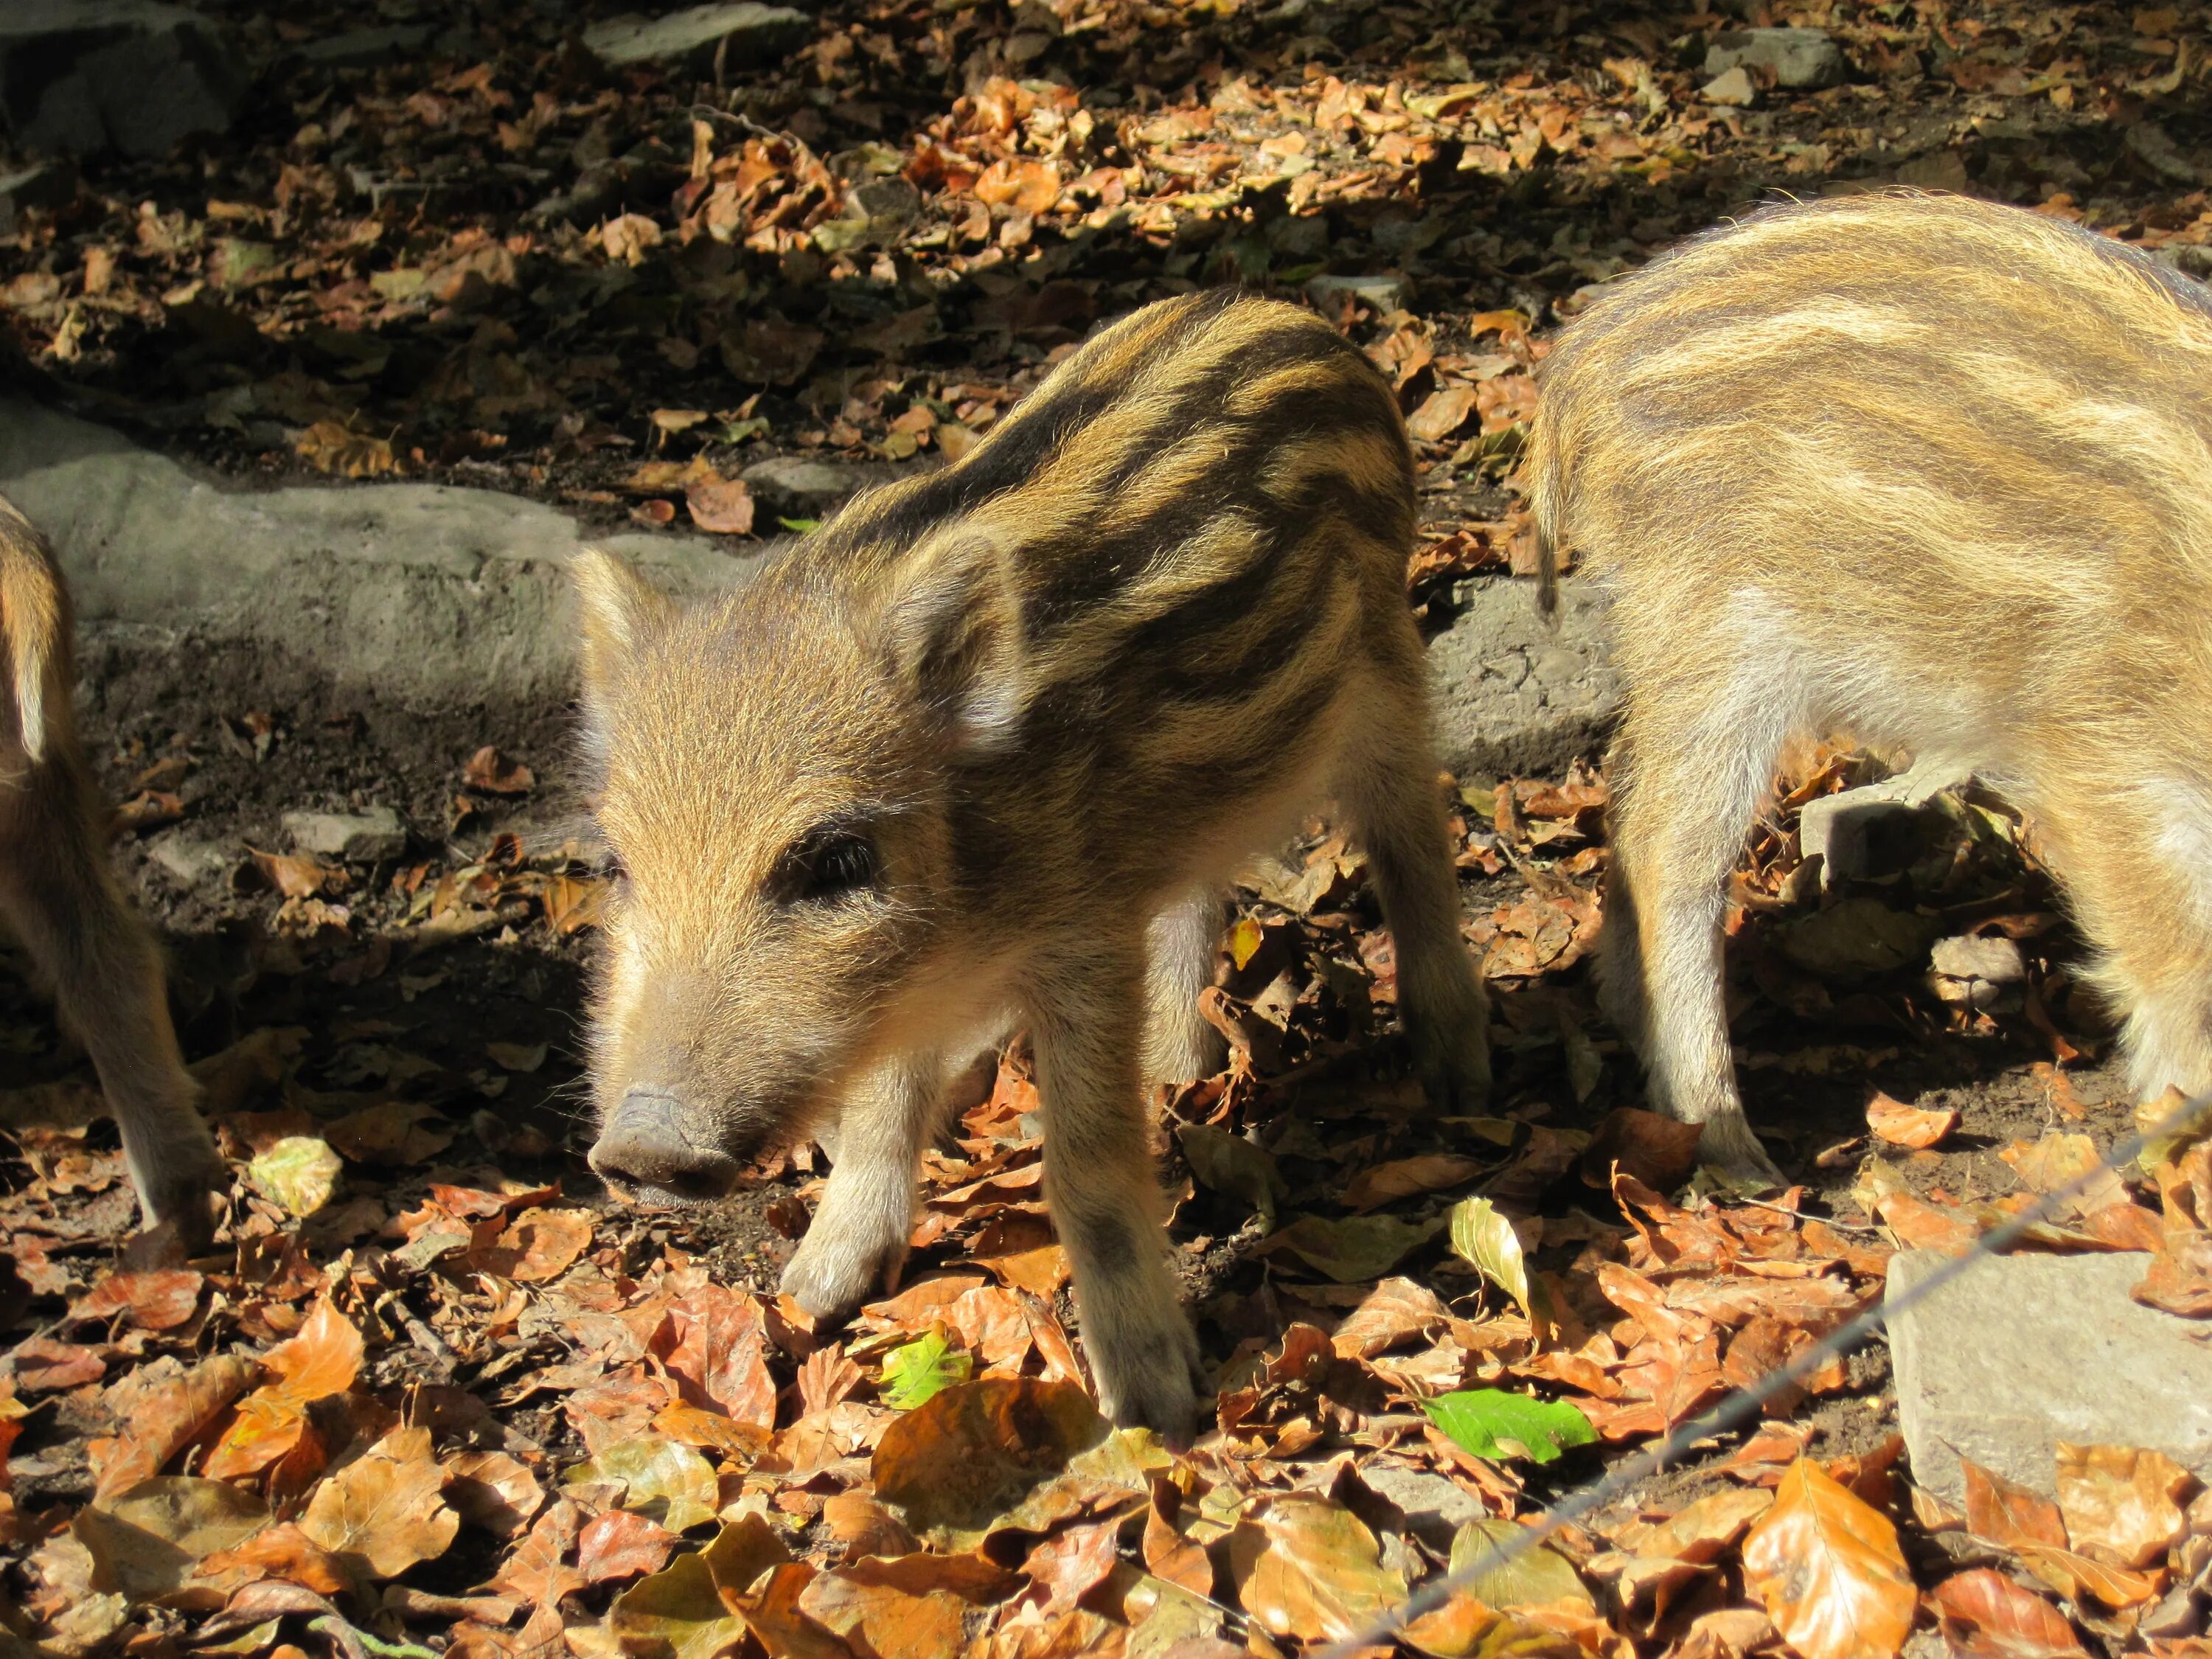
[
  {"x": 1452, "y": 1060},
  {"x": 184, "y": 1195},
  {"x": 832, "y": 1278},
  {"x": 1152, "y": 1380},
  {"x": 1728, "y": 1147}
]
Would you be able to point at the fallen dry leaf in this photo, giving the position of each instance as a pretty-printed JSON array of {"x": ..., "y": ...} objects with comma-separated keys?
[
  {"x": 1901, "y": 1125},
  {"x": 1987, "y": 1616},
  {"x": 384, "y": 1510},
  {"x": 1828, "y": 1568},
  {"x": 2121, "y": 1505}
]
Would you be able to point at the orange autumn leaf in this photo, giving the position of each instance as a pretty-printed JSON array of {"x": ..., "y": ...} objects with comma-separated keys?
[
  {"x": 384, "y": 1511},
  {"x": 158, "y": 1301},
  {"x": 1985, "y": 1615},
  {"x": 2121, "y": 1505},
  {"x": 1901, "y": 1125},
  {"x": 721, "y": 506},
  {"x": 536, "y": 1246},
  {"x": 2076, "y": 1576},
  {"x": 322, "y": 1360},
  {"x": 1829, "y": 1570},
  {"x": 2001, "y": 1512},
  {"x": 160, "y": 1419},
  {"x": 494, "y": 773}
]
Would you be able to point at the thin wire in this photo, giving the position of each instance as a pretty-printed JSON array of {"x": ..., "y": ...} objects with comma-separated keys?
[{"x": 1739, "y": 1406}]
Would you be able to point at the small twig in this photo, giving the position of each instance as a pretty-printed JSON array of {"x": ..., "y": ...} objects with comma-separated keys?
[{"x": 1799, "y": 1215}]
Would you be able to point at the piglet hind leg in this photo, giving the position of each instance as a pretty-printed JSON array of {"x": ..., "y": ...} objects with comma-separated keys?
[
  {"x": 856, "y": 1244},
  {"x": 1387, "y": 787},
  {"x": 2140, "y": 883},
  {"x": 1180, "y": 1046},
  {"x": 1688, "y": 777},
  {"x": 61, "y": 899},
  {"x": 1103, "y": 1189}
]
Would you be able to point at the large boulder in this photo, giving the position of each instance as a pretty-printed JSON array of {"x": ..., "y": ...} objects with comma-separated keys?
[{"x": 136, "y": 76}]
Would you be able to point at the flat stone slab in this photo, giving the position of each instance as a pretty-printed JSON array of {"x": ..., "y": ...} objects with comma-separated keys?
[
  {"x": 741, "y": 31},
  {"x": 356, "y": 837},
  {"x": 2021, "y": 1351},
  {"x": 424, "y": 595}
]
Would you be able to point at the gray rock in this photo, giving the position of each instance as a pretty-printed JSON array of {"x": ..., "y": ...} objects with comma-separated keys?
[
  {"x": 1967, "y": 955},
  {"x": 1833, "y": 827},
  {"x": 1385, "y": 293},
  {"x": 356, "y": 837},
  {"x": 1513, "y": 693},
  {"x": 367, "y": 48},
  {"x": 1435, "y": 1507},
  {"x": 190, "y": 860},
  {"x": 742, "y": 33},
  {"x": 1801, "y": 59},
  {"x": 794, "y": 487},
  {"x": 416, "y": 594},
  {"x": 2021, "y": 1351},
  {"x": 1733, "y": 87},
  {"x": 137, "y": 75},
  {"x": 50, "y": 185}
]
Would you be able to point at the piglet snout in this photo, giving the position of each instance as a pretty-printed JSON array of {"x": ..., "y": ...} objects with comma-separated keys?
[{"x": 644, "y": 1149}]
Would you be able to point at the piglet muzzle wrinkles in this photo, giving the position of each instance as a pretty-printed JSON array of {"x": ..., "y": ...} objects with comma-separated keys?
[{"x": 644, "y": 1150}]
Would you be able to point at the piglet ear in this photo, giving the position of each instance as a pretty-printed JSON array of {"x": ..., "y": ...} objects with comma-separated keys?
[
  {"x": 620, "y": 612},
  {"x": 952, "y": 628}
]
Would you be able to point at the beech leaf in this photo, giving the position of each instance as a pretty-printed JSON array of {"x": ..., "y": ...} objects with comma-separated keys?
[{"x": 1827, "y": 1567}]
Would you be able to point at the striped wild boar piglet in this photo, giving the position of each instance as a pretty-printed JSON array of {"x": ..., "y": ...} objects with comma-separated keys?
[
  {"x": 985, "y": 750},
  {"x": 1933, "y": 473},
  {"x": 59, "y": 897}
]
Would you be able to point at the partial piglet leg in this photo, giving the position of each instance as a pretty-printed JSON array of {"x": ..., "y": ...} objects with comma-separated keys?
[
  {"x": 2141, "y": 890},
  {"x": 1084, "y": 1006},
  {"x": 1690, "y": 770},
  {"x": 1180, "y": 1046},
  {"x": 857, "y": 1242},
  {"x": 61, "y": 899},
  {"x": 1386, "y": 784}
]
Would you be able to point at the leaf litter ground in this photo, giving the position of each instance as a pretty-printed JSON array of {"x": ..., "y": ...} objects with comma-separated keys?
[
  {"x": 433, "y": 1390},
  {"x": 434, "y": 1393}
]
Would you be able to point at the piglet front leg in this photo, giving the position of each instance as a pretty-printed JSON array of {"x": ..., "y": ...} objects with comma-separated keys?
[
  {"x": 1104, "y": 1190},
  {"x": 857, "y": 1242},
  {"x": 56, "y": 892}
]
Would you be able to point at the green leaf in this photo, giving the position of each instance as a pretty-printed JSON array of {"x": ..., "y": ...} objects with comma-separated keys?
[
  {"x": 1486, "y": 1239},
  {"x": 800, "y": 526},
  {"x": 298, "y": 1172},
  {"x": 915, "y": 1371},
  {"x": 660, "y": 1479},
  {"x": 1539, "y": 1576},
  {"x": 1491, "y": 1423},
  {"x": 1230, "y": 1164}
]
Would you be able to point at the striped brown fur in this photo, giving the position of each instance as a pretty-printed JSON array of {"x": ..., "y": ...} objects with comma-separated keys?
[
  {"x": 1933, "y": 471},
  {"x": 58, "y": 895},
  {"x": 1038, "y": 706}
]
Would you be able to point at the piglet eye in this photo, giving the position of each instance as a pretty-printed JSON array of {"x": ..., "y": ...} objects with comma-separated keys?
[{"x": 826, "y": 865}]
